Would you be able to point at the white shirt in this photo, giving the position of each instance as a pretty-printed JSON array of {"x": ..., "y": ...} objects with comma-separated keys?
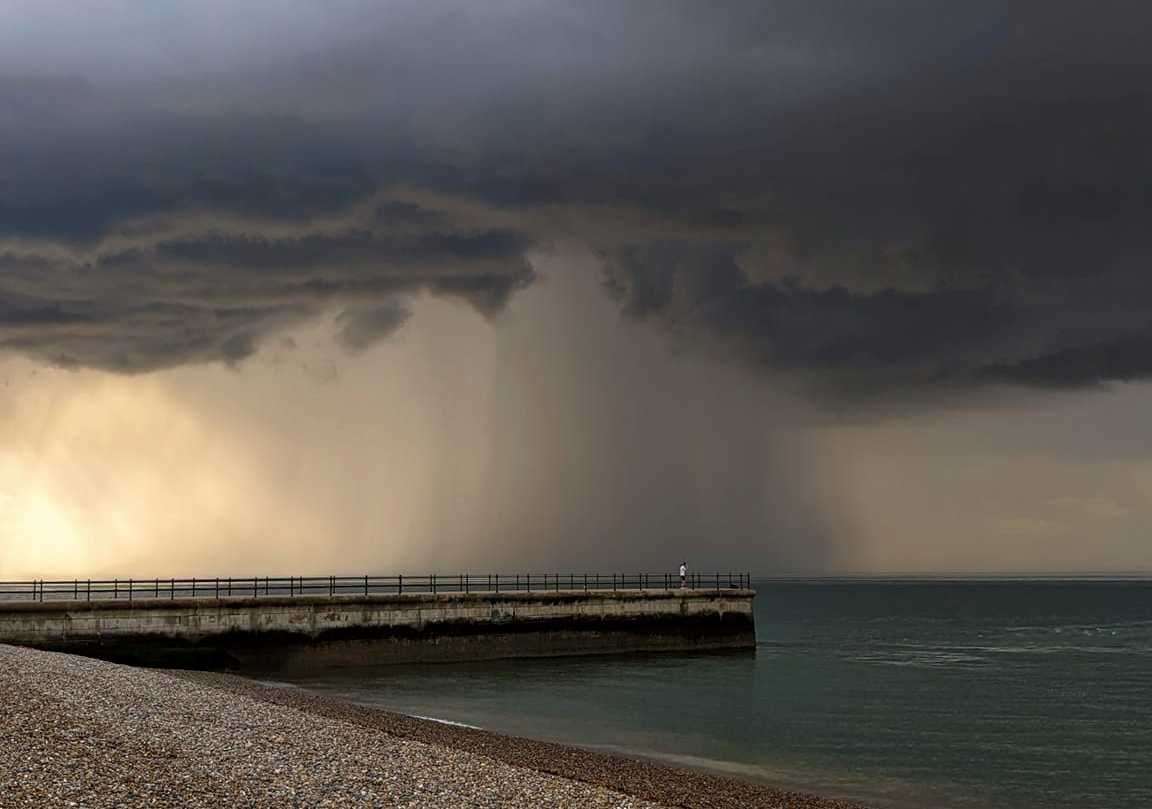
[{"x": 683, "y": 569}]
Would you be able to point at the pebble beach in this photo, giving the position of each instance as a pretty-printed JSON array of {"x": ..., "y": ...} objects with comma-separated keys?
[{"x": 79, "y": 732}]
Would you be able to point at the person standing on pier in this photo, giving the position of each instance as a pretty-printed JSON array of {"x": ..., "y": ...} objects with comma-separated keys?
[{"x": 683, "y": 575}]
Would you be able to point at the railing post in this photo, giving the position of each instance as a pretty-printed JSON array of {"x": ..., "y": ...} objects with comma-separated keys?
[
  {"x": 400, "y": 584},
  {"x": 433, "y": 583},
  {"x": 129, "y": 591},
  {"x": 115, "y": 589},
  {"x": 331, "y": 586},
  {"x": 172, "y": 589},
  {"x": 156, "y": 588},
  {"x": 529, "y": 575},
  {"x": 365, "y": 585},
  {"x": 461, "y": 585},
  {"x": 88, "y": 591},
  {"x": 585, "y": 582},
  {"x": 497, "y": 582},
  {"x": 193, "y": 586},
  {"x": 75, "y": 589},
  {"x": 217, "y": 590}
]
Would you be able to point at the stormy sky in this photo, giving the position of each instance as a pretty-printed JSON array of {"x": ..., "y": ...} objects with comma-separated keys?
[{"x": 786, "y": 285}]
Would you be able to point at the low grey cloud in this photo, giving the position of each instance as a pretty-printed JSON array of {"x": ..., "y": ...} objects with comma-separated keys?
[
  {"x": 874, "y": 196},
  {"x": 197, "y": 289},
  {"x": 361, "y": 328}
]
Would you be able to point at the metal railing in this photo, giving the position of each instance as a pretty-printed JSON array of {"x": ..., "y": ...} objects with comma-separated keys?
[{"x": 331, "y": 586}]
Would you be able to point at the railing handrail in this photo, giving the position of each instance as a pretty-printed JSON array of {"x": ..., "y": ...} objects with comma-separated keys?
[{"x": 218, "y": 587}]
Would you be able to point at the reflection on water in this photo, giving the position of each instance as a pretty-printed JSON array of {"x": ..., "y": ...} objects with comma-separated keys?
[{"x": 914, "y": 694}]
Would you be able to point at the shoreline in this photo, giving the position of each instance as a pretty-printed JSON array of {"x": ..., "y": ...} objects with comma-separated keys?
[
  {"x": 86, "y": 733},
  {"x": 646, "y": 778}
]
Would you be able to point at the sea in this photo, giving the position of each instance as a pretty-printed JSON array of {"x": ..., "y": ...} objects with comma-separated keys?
[{"x": 949, "y": 694}]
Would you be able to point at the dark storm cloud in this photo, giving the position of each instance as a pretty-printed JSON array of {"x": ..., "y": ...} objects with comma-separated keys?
[
  {"x": 874, "y": 195},
  {"x": 165, "y": 293},
  {"x": 359, "y": 329},
  {"x": 1126, "y": 358}
]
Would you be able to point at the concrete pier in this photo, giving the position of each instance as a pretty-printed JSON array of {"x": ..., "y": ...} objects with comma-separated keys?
[{"x": 279, "y": 633}]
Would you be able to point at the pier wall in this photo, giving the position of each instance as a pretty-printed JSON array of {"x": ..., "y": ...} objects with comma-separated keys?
[{"x": 305, "y": 632}]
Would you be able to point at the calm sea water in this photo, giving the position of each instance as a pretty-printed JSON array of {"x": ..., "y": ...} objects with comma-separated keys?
[{"x": 942, "y": 694}]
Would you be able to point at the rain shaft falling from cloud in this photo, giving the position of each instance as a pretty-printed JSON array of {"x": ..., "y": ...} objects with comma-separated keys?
[{"x": 559, "y": 436}]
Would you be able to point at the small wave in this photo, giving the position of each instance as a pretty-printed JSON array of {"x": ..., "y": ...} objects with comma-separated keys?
[
  {"x": 921, "y": 659},
  {"x": 276, "y": 684},
  {"x": 1094, "y": 627},
  {"x": 446, "y": 722},
  {"x": 1068, "y": 648}
]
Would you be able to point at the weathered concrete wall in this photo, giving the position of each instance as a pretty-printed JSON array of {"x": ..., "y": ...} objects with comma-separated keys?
[{"x": 278, "y": 633}]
